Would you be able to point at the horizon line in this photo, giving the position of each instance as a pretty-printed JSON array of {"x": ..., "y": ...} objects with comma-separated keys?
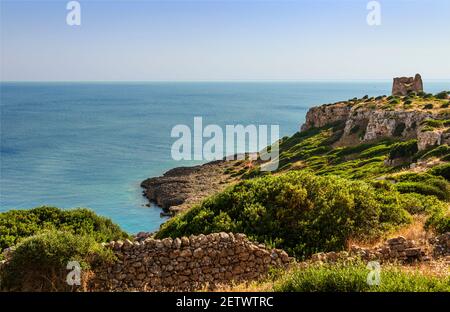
[{"x": 213, "y": 80}]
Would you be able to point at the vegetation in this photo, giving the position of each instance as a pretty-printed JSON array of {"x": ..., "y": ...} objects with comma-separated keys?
[
  {"x": 403, "y": 149},
  {"x": 297, "y": 211},
  {"x": 16, "y": 225},
  {"x": 41, "y": 260},
  {"x": 441, "y": 170},
  {"x": 353, "y": 278},
  {"x": 323, "y": 195},
  {"x": 439, "y": 221},
  {"x": 442, "y": 95},
  {"x": 438, "y": 151},
  {"x": 423, "y": 183}
]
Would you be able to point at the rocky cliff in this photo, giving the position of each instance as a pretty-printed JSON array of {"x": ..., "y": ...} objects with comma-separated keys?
[{"x": 422, "y": 117}]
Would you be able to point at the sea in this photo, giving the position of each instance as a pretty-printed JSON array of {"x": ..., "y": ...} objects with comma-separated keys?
[{"x": 90, "y": 144}]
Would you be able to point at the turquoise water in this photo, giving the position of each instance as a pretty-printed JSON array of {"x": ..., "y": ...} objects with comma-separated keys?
[{"x": 91, "y": 144}]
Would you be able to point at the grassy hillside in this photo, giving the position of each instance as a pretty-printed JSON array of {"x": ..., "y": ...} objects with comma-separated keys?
[{"x": 324, "y": 194}]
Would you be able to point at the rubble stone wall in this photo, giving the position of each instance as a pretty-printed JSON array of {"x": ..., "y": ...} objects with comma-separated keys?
[
  {"x": 186, "y": 263},
  {"x": 398, "y": 249}
]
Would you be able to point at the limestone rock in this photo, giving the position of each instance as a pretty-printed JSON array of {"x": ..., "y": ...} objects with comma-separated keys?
[
  {"x": 326, "y": 114},
  {"x": 427, "y": 139}
]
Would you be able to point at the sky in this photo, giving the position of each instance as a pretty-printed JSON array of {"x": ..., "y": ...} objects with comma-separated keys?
[{"x": 147, "y": 40}]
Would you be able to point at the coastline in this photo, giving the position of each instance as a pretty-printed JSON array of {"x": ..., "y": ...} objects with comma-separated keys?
[{"x": 182, "y": 187}]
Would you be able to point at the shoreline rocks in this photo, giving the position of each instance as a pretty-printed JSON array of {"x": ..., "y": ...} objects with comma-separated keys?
[{"x": 182, "y": 187}]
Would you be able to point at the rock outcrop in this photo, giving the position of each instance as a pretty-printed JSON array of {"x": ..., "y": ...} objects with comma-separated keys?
[
  {"x": 366, "y": 121},
  {"x": 403, "y": 85},
  {"x": 182, "y": 187},
  {"x": 186, "y": 263},
  {"x": 326, "y": 114}
]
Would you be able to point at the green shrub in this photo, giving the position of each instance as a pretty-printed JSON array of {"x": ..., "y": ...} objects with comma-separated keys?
[
  {"x": 439, "y": 151},
  {"x": 423, "y": 183},
  {"x": 394, "y": 101},
  {"x": 353, "y": 278},
  {"x": 428, "y": 106},
  {"x": 436, "y": 123},
  {"x": 441, "y": 170},
  {"x": 377, "y": 150},
  {"x": 423, "y": 188},
  {"x": 421, "y": 204},
  {"x": 442, "y": 95},
  {"x": 439, "y": 221},
  {"x": 42, "y": 260},
  {"x": 297, "y": 211},
  {"x": 403, "y": 149},
  {"x": 16, "y": 225}
]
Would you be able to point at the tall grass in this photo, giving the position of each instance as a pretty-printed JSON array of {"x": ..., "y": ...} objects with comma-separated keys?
[{"x": 353, "y": 278}]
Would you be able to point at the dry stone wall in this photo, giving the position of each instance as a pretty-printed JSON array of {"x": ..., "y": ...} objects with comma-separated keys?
[
  {"x": 186, "y": 263},
  {"x": 398, "y": 249}
]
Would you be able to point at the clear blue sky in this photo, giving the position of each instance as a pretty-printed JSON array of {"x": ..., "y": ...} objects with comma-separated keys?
[{"x": 224, "y": 40}]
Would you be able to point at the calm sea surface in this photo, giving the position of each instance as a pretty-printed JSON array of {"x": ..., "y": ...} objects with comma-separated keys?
[{"x": 91, "y": 144}]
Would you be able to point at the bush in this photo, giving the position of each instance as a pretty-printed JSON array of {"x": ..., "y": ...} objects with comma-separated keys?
[
  {"x": 422, "y": 188},
  {"x": 297, "y": 211},
  {"x": 439, "y": 221},
  {"x": 428, "y": 106},
  {"x": 41, "y": 260},
  {"x": 394, "y": 101},
  {"x": 403, "y": 149},
  {"x": 423, "y": 183},
  {"x": 441, "y": 170},
  {"x": 441, "y": 150},
  {"x": 442, "y": 95},
  {"x": 421, "y": 204},
  {"x": 353, "y": 278},
  {"x": 436, "y": 123},
  {"x": 16, "y": 225}
]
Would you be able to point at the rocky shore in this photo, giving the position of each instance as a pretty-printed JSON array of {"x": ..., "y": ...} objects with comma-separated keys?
[{"x": 182, "y": 187}]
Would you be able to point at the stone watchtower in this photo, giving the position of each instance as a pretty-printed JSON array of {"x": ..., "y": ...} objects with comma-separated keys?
[{"x": 403, "y": 85}]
